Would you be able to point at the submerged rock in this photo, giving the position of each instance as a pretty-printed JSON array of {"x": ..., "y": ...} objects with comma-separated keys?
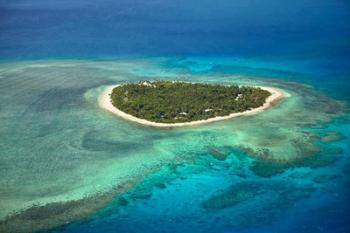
[
  {"x": 265, "y": 168},
  {"x": 217, "y": 154},
  {"x": 232, "y": 196},
  {"x": 160, "y": 185},
  {"x": 44, "y": 217},
  {"x": 317, "y": 161},
  {"x": 269, "y": 168},
  {"x": 122, "y": 201}
]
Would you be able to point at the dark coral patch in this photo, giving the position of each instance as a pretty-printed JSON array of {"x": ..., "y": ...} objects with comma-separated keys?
[
  {"x": 217, "y": 154},
  {"x": 233, "y": 196}
]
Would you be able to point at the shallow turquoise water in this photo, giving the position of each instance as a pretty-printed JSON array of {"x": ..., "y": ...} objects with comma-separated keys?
[
  {"x": 59, "y": 146},
  {"x": 66, "y": 165}
]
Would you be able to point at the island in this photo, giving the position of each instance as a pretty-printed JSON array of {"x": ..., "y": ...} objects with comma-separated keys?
[{"x": 177, "y": 103}]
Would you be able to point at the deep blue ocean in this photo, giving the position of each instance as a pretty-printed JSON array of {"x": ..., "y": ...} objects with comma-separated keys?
[
  {"x": 296, "y": 36},
  {"x": 301, "y": 41}
]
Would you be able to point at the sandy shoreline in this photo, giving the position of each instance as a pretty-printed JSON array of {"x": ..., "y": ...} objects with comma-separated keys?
[{"x": 105, "y": 103}]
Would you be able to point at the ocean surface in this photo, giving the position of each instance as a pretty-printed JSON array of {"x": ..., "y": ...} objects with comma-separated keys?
[{"x": 68, "y": 166}]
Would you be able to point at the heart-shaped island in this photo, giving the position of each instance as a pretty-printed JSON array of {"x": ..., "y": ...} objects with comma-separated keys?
[{"x": 178, "y": 103}]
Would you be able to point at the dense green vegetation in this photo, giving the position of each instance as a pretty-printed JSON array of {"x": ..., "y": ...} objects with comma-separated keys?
[{"x": 174, "y": 102}]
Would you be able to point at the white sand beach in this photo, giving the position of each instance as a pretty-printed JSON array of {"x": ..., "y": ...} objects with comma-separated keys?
[{"x": 105, "y": 103}]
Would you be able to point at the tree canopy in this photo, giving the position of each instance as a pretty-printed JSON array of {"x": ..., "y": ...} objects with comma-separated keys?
[{"x": 175, "y": 102}]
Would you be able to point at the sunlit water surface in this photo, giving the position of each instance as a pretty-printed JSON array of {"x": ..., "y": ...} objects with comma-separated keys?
[
  {"x": 64, "y": 158},
  {"x": 68, "y": 166}
]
